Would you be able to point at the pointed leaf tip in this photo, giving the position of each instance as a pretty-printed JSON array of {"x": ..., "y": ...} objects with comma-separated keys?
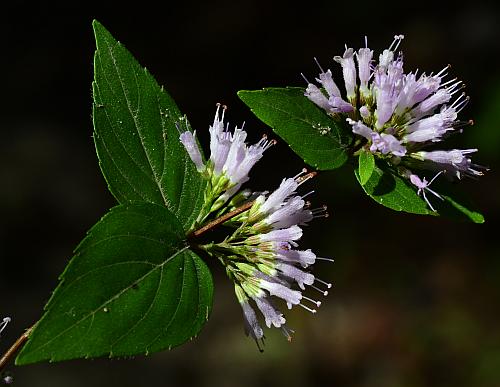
[{"x": 317, "y": 138}]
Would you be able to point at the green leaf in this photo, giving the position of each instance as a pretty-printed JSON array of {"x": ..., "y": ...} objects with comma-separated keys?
[
  {"x": 366, "y": 166},
  {"x": 392, "y": 191},
  {"x": 316, "y": 137},
  {"x": 135, "y": 134},
  {"x": 475, "y": 216},
  {"x": 133, "y": 287}
]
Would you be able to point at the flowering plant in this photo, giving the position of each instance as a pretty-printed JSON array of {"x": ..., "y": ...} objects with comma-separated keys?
[
  {"x": 388, "y": 119},
  {"x": 138, "y": 283}
]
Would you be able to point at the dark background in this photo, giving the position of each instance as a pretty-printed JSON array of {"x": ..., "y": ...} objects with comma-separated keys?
[{"x": 416, "y": 299}]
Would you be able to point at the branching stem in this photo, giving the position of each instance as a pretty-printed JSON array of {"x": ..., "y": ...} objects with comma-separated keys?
[
  {"x": 224, "y": 218},
  {"x": 12, "y": 351}
]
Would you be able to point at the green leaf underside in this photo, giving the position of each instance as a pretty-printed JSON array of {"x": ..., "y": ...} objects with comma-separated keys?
[
  {"x": 300, "y": 123},
  {"x": 394, "y": 192},
  {"x": 456, "y": 210},
  {"x": 366, "y": 166},
  {"x": 133, "y": 287},
  {"x": 136, "y": 139}
]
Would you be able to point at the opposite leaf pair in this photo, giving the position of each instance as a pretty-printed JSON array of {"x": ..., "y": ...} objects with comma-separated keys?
[{"x": 137, "y": 284}]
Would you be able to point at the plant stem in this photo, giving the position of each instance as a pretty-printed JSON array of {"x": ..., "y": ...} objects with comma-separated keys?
[
  {"x": 220, "y": 220},
  {"x": 15, "y": 348}
]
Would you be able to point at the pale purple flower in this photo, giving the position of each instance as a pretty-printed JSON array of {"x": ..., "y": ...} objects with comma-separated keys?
[
  {"x": 282, "y": 235},
  {"x": 291, "y": 296},
  {"x": 305, "y": 258},
  {"x": 188, "y": 139},
  {"x": 397, "y": 114},
  {"x": 349, "y": 71},
  {"x": 317, "y": 96},
  {"x": 387, "y": 143},
  {"x": 251, "y": 323},
  {"x": 298, "y": 275},
  {"x": 230, "y": 156},
  {"x": 455, "y": 160},
  {"x": 387, "y": 86},
  {"x": 281, "y": 217},
  {"x": 326, "y": 80},
  {"x": 423, "y": 185},
  {"x": 276, "y": 199},
  {"x": 364, "y": 57},
  {"x": 270, "y": 313},
  {"x": 261, "y": 260}
]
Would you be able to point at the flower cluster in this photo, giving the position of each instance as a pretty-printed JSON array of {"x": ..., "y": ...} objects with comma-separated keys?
[
  {"x": 397, "y": 115},
  {"x": 230, "y": 161},
  {"x": 259, "y": 254}
]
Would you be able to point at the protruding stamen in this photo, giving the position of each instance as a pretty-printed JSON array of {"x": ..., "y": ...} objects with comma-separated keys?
[
  {"x": 287, "y": 332},
  {"x": 395, "y": 43},
  {"x": 317, "y": 303},
  {"x": 4, "y": 323},
  {"x": 327, "y": 284},
  {"x": 324, "y": 292},
  {"x": 302, "y": 179},
  {"x": 313, "y": 311},
  {"x": 307, "y": 194},
  {"x": 325, "y": 259},
  {"x": 446, "y": 68},
  {"x": 305, "y": 79},
  {"x": 301, "y": 173},
  {"x": 321, "y": 68}
]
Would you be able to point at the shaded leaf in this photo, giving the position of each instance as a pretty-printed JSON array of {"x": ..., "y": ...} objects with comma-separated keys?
[
  {"x": 133, "y": 287},
  {"x": 135, "y": 134},
  {"x": 316, "y": 137},
  {"x": 392, "y": 191}
]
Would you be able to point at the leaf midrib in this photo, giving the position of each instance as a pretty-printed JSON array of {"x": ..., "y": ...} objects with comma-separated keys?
[
  {"x": 92, "y": 313},
  {"x": 154, "y": 177}
]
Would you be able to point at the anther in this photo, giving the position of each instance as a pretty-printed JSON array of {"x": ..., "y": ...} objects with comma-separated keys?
[
  {"x": 308, "y": 309},
  {"x": 317, "y": 303},
  {"x": 327, "y": 284},
  {"x": 324, "y": 292},
  {"x": 303, "y": 179},
  {"x": 298, "y": 175}
]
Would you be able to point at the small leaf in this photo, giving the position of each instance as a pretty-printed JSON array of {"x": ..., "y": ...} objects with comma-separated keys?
[
  {"x": 133, "y": 287},
  {"x": 366, "y": 166},
  {"x": 135, "y": 134},
  {"x": 316, "y": 137},
  {"x": 394, "y": 192}
]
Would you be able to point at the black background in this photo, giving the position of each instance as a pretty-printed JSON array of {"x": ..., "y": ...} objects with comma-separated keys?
[{"x": 416, "y": 298}]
